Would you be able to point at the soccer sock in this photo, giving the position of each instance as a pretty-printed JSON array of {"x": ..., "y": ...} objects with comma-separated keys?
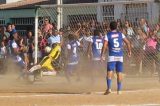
[
  {"x": 119, "y": 85},
  {"x": 109, "y": 83}
]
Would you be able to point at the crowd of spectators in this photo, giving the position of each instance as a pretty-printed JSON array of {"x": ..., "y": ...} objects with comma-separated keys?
[{"x": 145, "y": 40}]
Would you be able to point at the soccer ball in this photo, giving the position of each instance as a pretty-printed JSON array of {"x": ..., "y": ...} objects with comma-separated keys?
[{"x": 47, "y": 49}]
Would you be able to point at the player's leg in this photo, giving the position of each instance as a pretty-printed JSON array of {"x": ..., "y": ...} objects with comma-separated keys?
[
  {"x": 119, "y": 70},
  {"x": 21, "y": 63},
  {"x": 69, "y": 71},
  {"x": 110, "y": 69}
]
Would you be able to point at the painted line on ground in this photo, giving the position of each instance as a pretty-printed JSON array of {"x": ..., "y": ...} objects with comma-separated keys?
[
  {"x": 63, "y": 94},
  {"x": 126, "y": 105},
  {"x": 131, "y": 91}
]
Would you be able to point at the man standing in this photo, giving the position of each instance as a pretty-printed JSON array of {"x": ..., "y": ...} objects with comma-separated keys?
[
  {"x": 114, "y": 42},
  {"x": 94, "y": 52},
  {"x": 54, "y": 38}
]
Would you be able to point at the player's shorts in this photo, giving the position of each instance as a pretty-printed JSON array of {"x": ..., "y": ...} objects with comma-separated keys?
[
  {"x": 19, "y": 61},
  {"x": 115, "y": 63}
]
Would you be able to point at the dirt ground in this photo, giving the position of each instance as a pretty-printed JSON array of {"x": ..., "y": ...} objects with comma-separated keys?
[{"x": 56, "y": 91}]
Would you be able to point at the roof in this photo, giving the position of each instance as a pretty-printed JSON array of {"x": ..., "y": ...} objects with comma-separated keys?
[
  {"x": 79, "y": 1},
  {"x": 28, "y": 4},
  {"x": 25, "y": 4}
]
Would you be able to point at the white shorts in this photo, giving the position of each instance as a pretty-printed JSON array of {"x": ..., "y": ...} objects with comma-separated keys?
[{"x": 115, "y": 58}]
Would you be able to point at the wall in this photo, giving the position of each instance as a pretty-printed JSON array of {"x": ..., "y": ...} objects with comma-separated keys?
[{"x": 11, "y": 1}]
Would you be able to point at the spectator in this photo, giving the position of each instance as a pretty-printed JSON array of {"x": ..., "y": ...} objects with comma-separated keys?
[
  {"x": 157, "y": 32},
  {"x": 3, "y": 54},
  {"x": 3, "y": 50},
  {"x": 129, "y": 30},
  {"x": 150, "y": 50},
  {"x": 119, "y": 24},
  {"x": 54, "y": 38},
  {"x": 144, "y": 26},
  {"x": 42, "y": 43},
  {"x": 85, "y": 40},
  {"x": 61, "y": 32},
  {"x": 138, "y": 42},
  {"x": 11, "y": 30},
  {"x": 4, "y": 36},
  {"x": 29, "y": 41},
  {"x": 46, "y": 26}
]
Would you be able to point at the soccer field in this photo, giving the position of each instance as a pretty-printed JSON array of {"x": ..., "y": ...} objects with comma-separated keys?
[{"x": 57, "y": 92}]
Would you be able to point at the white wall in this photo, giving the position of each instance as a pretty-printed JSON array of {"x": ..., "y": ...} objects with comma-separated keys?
[
  {"x": 11, "y": 1},
  {"x": 118, "y": 9}
]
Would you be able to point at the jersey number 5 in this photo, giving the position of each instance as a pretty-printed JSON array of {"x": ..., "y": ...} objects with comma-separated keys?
[{"x": 116, "y": 43}]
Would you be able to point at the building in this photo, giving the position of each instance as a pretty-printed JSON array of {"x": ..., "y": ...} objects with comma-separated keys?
[
  {"x": 133, "y": 11},
  {"x": 108, "y": 10},
  {"x": 21, "y": 13}
]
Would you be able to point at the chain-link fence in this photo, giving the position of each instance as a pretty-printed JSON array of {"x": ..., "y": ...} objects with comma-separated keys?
[{"x": 138, "y": 20}]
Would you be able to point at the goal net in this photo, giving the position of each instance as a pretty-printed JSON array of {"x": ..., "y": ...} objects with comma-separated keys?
[{"x": 136, "y": 19}]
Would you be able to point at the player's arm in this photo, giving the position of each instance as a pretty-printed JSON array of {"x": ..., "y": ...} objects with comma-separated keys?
[
  {"x": 68, "y": 51},
  {"x": 128, "y": 44},
  {"x": 15, "y": 48},
  {"x": 104, "y": 48},
  {"x": 89, "y": 50},
  {"x": 77, "y": 33}
]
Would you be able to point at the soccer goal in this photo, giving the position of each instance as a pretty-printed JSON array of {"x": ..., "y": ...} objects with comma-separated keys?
[{"x": 140, "y": 15}]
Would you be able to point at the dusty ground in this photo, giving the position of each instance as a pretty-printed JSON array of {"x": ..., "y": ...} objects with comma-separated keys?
[{"x": 55, "y": 91}]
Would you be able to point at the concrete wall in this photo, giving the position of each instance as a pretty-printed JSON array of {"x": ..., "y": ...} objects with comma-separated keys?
[
  {"x": 78, "y": 11},
  {"x": 17, "y": 13},
  {"x": 2, "y": 1},
  {"x": 22, "y": 13}
]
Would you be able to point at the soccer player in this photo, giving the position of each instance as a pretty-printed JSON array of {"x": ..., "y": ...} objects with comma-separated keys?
[
  {"x": 16, "y": 51},
  {"x": 72, "y": 56},
  {"x": 114, "y": 42},
  {"x": 95, "y": 48}
]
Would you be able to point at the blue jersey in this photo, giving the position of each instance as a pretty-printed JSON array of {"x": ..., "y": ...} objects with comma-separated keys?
[
  {"x": 73, "y": 53},
  {"x": 97, "y": 44},
  {"x": 17, "y": 58},
  {"x": 115, "y": 43}
]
